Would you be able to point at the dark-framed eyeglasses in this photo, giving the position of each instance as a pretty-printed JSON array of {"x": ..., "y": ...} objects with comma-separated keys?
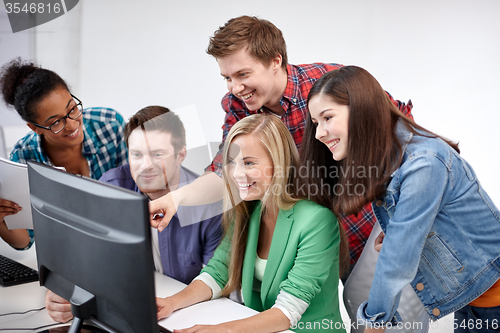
[{"x": 58, "y": 125}]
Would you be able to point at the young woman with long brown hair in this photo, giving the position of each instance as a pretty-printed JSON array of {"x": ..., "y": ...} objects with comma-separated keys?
[{"x": 442, "y": 231}]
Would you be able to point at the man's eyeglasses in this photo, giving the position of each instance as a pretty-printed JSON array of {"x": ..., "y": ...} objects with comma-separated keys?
[{"x": 58, "y": 125}]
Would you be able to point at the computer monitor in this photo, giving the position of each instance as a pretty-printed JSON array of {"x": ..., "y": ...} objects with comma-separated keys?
[{"x": 93, "y": 246}]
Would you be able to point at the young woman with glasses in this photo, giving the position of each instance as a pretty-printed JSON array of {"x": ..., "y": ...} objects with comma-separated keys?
[{"x": 87, "y": 142}]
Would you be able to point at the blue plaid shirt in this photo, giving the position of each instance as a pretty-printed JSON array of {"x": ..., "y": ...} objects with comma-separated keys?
[{"x": 103, "y": 144}]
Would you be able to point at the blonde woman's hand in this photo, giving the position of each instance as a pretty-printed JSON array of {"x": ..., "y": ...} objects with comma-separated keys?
[{"x": 165, "y": 307}]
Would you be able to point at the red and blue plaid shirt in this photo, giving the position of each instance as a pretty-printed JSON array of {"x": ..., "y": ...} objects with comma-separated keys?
[{"x": 294, "y": 101}]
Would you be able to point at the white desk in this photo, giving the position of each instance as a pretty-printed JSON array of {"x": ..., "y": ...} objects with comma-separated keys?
[
  {"x": 29, "y": 296},
  {"x": 22, "y": 297}
]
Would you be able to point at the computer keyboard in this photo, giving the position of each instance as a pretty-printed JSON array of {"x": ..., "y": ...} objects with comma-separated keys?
[{"x": 13, "y": 272}]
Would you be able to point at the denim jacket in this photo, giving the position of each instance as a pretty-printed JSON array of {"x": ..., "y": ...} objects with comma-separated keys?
[{"x": 442, "y": 233}]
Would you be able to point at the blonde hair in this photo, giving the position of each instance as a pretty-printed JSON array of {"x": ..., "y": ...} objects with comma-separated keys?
[{"x": 281, "y": 193}]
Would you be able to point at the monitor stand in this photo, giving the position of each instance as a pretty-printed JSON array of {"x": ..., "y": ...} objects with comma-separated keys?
[
  {"x": 83, "y": 306},
  {"x": 84, "y": 329}
]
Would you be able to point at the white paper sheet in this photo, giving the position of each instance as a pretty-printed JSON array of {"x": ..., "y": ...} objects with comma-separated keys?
[{"x": 14, "y": 186}]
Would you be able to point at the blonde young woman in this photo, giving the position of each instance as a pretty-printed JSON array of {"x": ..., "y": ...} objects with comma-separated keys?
[{"x": 281, "y": 250}]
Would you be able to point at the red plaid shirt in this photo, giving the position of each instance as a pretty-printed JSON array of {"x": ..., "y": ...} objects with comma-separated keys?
[{"x": 294, "y": 101}]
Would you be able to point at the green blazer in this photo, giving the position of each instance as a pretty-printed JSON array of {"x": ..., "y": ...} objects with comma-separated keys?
[{"x": 303, "y": 261}]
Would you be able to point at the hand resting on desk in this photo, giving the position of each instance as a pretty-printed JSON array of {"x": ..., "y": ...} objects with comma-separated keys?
[
  {"x": 58, "y": 308},
  {"x": 271, "y": 320},
  {"x": 195, "y": 292}
]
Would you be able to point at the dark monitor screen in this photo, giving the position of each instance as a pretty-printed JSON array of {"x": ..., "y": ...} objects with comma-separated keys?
[{"x": 93, "y": 246}]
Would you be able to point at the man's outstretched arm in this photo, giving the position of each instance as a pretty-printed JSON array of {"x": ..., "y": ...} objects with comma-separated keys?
[{"x": 206, "y": 189}]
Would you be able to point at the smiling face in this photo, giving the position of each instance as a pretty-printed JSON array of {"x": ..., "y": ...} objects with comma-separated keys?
[
  {"x": 255, "y": 83},
  {"x": 153, "y": 162},
  {"x": 53, "y": 107},
  {"x": 331, "y": 120},
  {"x": 250, "y": 167}
]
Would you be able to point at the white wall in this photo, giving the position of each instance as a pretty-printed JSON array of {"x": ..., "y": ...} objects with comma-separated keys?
[
  {"x": 441, "y": 55},
  {"x": 129, "y": 54},
  {"x": 11, "y": 46}
]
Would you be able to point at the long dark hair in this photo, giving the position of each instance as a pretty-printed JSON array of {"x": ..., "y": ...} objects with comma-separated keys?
[
  {"x": 373, "y": 150},
  {"x": 24, "y": 85}
]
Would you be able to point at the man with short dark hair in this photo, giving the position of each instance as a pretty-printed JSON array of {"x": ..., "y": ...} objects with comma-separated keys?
[{"x": 156, "y": 143}]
